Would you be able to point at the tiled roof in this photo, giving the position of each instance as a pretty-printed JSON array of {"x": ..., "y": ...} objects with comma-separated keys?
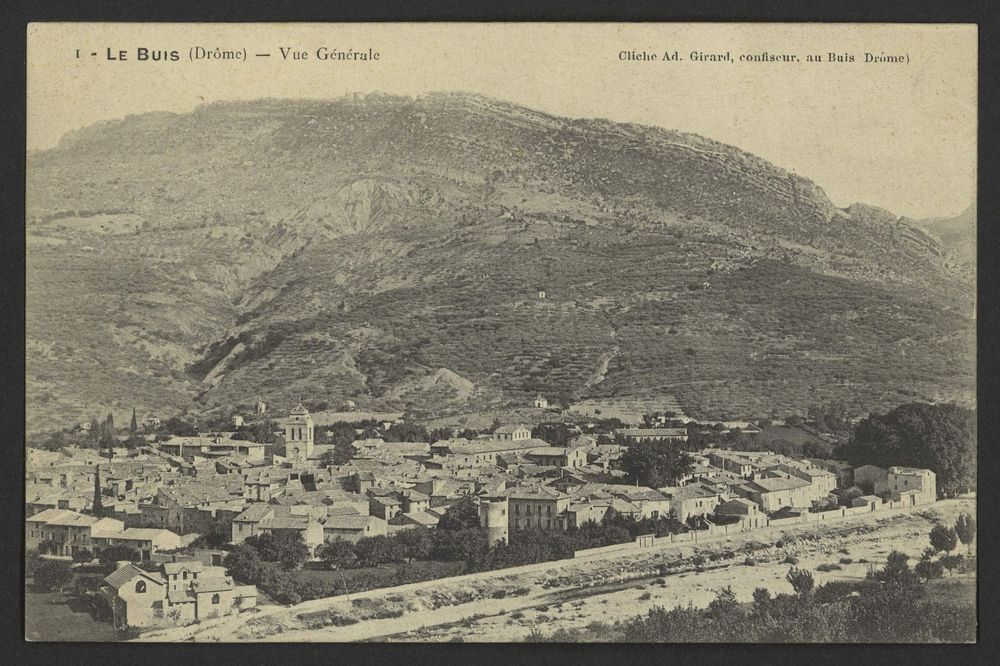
[
  {"x": 177, "y": 567},
  {"x": 780, "y": 483},
  {"x": 127, "y": 573},
  {"x": 348, "y": 522}
]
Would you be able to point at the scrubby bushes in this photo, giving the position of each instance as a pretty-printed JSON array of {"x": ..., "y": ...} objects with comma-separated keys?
[
  {"x": 52, "y": 574},
  {"x": 890, "y": 606}
]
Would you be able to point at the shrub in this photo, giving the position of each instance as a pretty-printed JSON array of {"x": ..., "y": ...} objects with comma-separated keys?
[
  {"x": 801, "y": 581},
  {"x": 828, "y": 567},
  {"x": 499, "y": 594},
  {"x": 645, "y": 596},
  {"x": 516, "y": 615},
  {"x": 943, "y": 538},
  {"x": 791, "y": 559},
  {"x": 929, "y": 569},
  {"x": 542, "y": 608},
  {"x": 112, "y": 554},
  {"x": 750, "y": 562},
  {"x": 846, "y": 560},
  {"x": 52, "y": 574},
  {"x": 698, "y": 560}
]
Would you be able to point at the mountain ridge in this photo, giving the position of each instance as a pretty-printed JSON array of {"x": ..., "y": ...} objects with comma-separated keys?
[{"x": 297, "y": 232}]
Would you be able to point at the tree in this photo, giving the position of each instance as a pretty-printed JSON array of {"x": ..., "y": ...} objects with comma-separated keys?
[
  {"x": 377, "y": 550},
  {"x": 416, "y": 543},
  {"x": 82, "y": 555},
  {"x": 950, "y": 562},
  {"x": 965, "y": 529},
  {"x": 406, "y": 432},
  {"x": 179, "y": 427},
  {"x": 133, "y": 427},
  {"x": 98, "y": 506},
  {"x": 801, "y": 581},
  {"x": 460, "y": 516},
  {"x": 52, "y": 574},
  {"x": 243, "y": 563},
  {"x": 941, "y": 438},
  {"x": 338, "y": 553},
  {"x": 556, "y": 434},
  {"x": 929, "y": 569},
  {"x": 439, "y": 434},
  {"x": 121, "y": 552},
  {"x": 109, "y": 424},
  {"x": 655, "y": 464},
  {"x": 282, "y": 546},
  {"x": 340, "y": 454},
  {"x": 943, "y": 538}
]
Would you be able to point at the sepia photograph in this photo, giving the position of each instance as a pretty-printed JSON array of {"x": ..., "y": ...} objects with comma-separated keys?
[{"x": 501, "y": 333}]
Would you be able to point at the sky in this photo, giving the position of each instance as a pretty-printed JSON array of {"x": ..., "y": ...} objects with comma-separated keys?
[{"x": 897, "y": 135}]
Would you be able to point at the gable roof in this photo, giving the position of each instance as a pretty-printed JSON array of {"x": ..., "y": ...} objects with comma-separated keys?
[{"x": 127, "y": 573}]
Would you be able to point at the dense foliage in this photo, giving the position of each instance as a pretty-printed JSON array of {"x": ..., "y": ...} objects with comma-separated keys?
[
  {"x": 655, "y": 464},
  {"x": 52, "y": 574},
  {"x": 941, "y": 438}
]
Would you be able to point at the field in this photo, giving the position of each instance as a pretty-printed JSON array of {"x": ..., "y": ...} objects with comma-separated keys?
[
  {"x": 54, "y": 616},
  {"x": 505, "y": 605},
  {"x": 629, "y": 410}
]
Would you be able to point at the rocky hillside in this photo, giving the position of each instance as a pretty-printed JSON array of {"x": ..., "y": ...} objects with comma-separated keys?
[
  {"x": 393, "y": 251},
  {"x": 957, "y": 235}
]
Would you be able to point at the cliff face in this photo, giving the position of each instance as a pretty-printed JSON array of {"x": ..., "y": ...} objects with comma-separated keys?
[{"x": 348, "y": 249}]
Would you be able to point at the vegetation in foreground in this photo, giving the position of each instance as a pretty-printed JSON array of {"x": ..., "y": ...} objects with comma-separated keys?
[{"x": 892, "y": 605}]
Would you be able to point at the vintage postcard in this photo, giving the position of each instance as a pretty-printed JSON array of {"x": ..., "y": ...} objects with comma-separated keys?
[{"x": 501, "y": 332}]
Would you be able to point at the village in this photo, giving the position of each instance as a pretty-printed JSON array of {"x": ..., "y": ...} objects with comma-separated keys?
[{"x": 164, "y": 513}]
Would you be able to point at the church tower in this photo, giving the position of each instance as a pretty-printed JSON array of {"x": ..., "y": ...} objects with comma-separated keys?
[{"x": 299, "y": 434}]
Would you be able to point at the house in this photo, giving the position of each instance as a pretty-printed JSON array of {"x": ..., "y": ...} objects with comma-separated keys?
[
  {"x": 540, "y": 402},
  {"x": 873, "y": 502},
  {"x": 174, "y": 593},
  {"x": 260, "y": 519},
  {"x": 557, "y": 456},
  {"x": 237, "y": 421},
  {"x": 773, "y": 493},
  {"x": 146, "y": 541},
  {"x": 352, "y": 528},
  {"x": 912, "y": 485},
  {"x": 841, "y": 468},
  {"x": 538, "y": 507},
  {"x": 209, "y": 447},
  {"x": 69, "y": 532},
  {"x": 694, "y": 499},
  {"x": 384, "y": 506},
  {"x": 748, "y": 512},
  {"x": 512, "y": 433},
  {"x": 871, "y": 479}
]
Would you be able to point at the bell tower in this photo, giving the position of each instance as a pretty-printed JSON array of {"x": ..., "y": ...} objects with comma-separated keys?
[{"x": 299, "y": 434}]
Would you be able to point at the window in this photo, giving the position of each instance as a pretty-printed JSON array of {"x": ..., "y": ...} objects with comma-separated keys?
[
  {"x": 140, "y": 587},
  {"x": 548, "y": 523},
  {"x": 527, "y": 522},
  {"x": 184, "y": 574},
  {"x": 215, "y": 599},
  {"x": 517, "y": 509}
]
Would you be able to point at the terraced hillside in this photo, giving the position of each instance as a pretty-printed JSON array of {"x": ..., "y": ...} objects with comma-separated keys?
[{"x": 393, "y": 251}]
